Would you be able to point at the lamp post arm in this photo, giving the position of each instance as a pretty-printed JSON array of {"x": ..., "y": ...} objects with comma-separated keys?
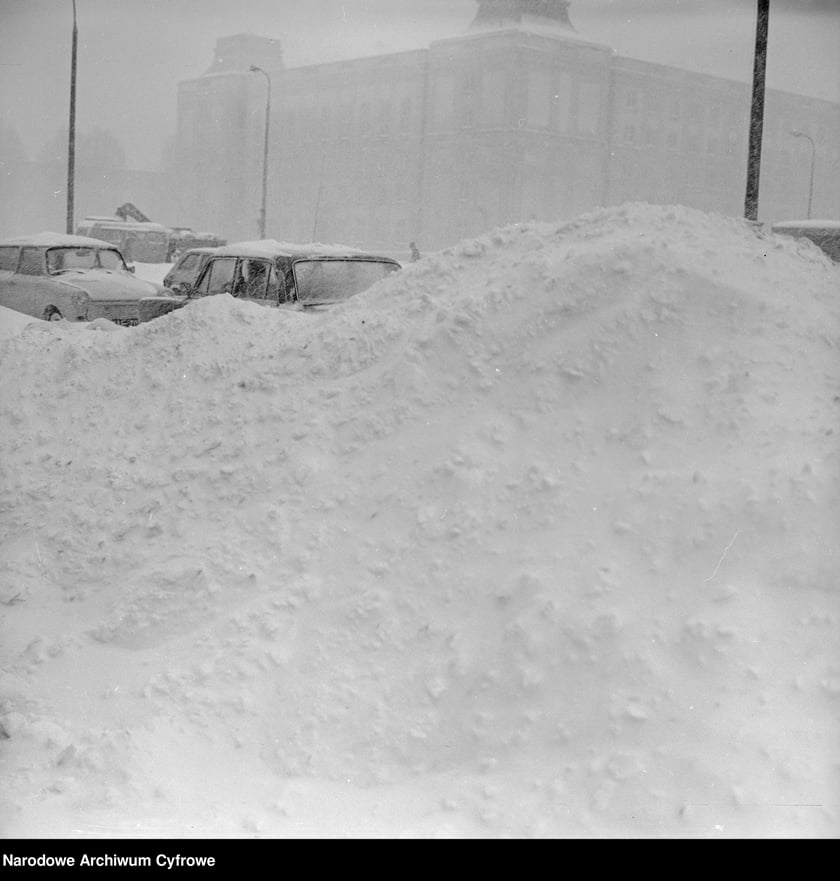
[{"x": 798, "y": 134}]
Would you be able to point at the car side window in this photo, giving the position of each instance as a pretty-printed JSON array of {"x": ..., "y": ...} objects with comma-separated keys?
[
  {"x": 276, "y": 288},
  {"x": 285, "y": 282},
  {"x": 32, "y": 261},
  {"x": 9, "y": 258},
  {"x": 252, "y": 279},
  {"x": 218, "y": 276}
]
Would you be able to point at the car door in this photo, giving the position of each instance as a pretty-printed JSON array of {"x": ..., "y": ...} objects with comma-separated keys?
[
  {"x": 11, "y": 291},
  {"x": 255, "y": 280},
  {"x": 217, "y": 277},
  {"x": 37, "y": 291}
]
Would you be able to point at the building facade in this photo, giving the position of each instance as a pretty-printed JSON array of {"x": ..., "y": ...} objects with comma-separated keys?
[{"x": 520, "y": 118}]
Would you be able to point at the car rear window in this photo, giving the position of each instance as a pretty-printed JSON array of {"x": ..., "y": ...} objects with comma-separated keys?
[
  {"x": 326, "y": 281},
  {"x": 9, "y": 258}
]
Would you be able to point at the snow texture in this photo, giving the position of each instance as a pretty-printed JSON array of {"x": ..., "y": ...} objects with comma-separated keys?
[{"x": 536, "y": 538}]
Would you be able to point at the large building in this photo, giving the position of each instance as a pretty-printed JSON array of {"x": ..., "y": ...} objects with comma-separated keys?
[{"x": 519, "y": 118}]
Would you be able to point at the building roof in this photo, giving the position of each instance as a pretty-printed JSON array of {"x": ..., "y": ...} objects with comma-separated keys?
[{"x": 522, "y": 13}]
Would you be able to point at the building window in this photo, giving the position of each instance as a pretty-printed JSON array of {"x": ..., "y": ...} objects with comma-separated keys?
[
  {"x": 405, "y": 115},
  {"x": 631, "y": 99},
  {"x": 364, "y": 119},
  {"x": 628, "y": 135},
  {"x": 563, "y": 102},
  {"x": 384, "y": 117},
  {"x": 674, "y": 109},
  {"x": 444, "y": 102},
  {"x": 493, "y": 98},
  {"x": 589, "y": 108},
  {"x": 345, "y": 118},
  {"x": 539, "y": 98}
]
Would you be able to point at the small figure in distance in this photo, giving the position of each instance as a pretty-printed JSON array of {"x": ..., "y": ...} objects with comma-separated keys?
[{"x": 415, "y": 254}]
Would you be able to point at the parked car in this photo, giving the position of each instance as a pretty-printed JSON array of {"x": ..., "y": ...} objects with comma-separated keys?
[
  {"x": 823, "y": 233},
  {"x": 186, "y": 269},
  {"x": 182, "y": 239},
  {"x": 76, "y": 278},
  {"x": 145, "y": 242},
  {"x": 279, "y": 274}
]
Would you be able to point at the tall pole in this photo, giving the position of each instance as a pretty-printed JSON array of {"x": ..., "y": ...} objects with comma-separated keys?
[
  {"x": 71, "y": 139},
  {"x": 254, "y": 69},
  {"x": 797, "y": 134},
  {"x": 757, "y": 111},
  {"x": 318, "y": 198}
]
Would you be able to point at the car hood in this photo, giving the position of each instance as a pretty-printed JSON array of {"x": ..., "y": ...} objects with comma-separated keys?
[{"x": 107, "y": 284}]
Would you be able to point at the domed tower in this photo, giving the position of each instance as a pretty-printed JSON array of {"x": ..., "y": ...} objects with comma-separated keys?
[{"x": 514, "y": 13}]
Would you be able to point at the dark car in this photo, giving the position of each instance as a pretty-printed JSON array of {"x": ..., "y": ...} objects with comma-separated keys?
[
  {"x": 279, "y": 274},
  {"x": 187, "y": 268},
  {"x": 55, "y": 276},
  {"x": 825, "y": 234}
]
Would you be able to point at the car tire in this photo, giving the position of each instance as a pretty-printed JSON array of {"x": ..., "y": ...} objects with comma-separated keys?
[{"x": 52, "y": 314}]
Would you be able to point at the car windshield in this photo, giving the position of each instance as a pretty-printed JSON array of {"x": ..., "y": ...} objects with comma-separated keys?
[
  {"x": 61, "y": 259},
  {"x": 328, "y": 280}
]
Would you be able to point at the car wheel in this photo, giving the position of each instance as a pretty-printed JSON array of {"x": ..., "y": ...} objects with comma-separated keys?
[{"x": 52, "y": 314}]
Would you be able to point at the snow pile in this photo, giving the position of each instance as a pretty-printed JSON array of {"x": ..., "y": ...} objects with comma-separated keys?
[
  {"x": 12, "y": 323},
  {"x": 536, "y": 537}
]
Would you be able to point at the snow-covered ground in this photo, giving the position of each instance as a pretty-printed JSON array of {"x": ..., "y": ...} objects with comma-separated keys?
[{"x": 538, "y": 537}]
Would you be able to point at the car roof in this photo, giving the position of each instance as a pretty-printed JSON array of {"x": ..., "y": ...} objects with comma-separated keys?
[
  {"x": 806, "y": 224},
  {"x": 116, "y": 223},
  {"x": 271, "y": 249},
  {"x": 203, "y": 250},
  {"x": 58, "y": 240}
]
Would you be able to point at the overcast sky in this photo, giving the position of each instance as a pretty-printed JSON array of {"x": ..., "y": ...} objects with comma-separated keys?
[{"x": 132, "y": 53}]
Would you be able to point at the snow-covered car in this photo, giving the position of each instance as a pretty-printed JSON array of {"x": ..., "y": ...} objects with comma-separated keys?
[
  {"x": 55, "y": 276},
  {"x": 187, "y": 269},
  {"x": 825, "y": 234},
  {"x": 281, "y": 274}
]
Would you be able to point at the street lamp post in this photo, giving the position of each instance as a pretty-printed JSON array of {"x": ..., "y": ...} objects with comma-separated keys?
[
  {"x": 798, "y": 134},
  {"x": 71, "y": 133},
  {"x": 254, "y": 69},
  {"x": 757, "y": 110}
]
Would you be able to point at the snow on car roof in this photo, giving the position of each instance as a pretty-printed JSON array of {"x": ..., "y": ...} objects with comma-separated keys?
[
  {"x": 203, "y": 249},
  {"x": 806, "y": 224},
  {"x": 273, "y": 248},
  {"x": 57, "y": 240}
]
